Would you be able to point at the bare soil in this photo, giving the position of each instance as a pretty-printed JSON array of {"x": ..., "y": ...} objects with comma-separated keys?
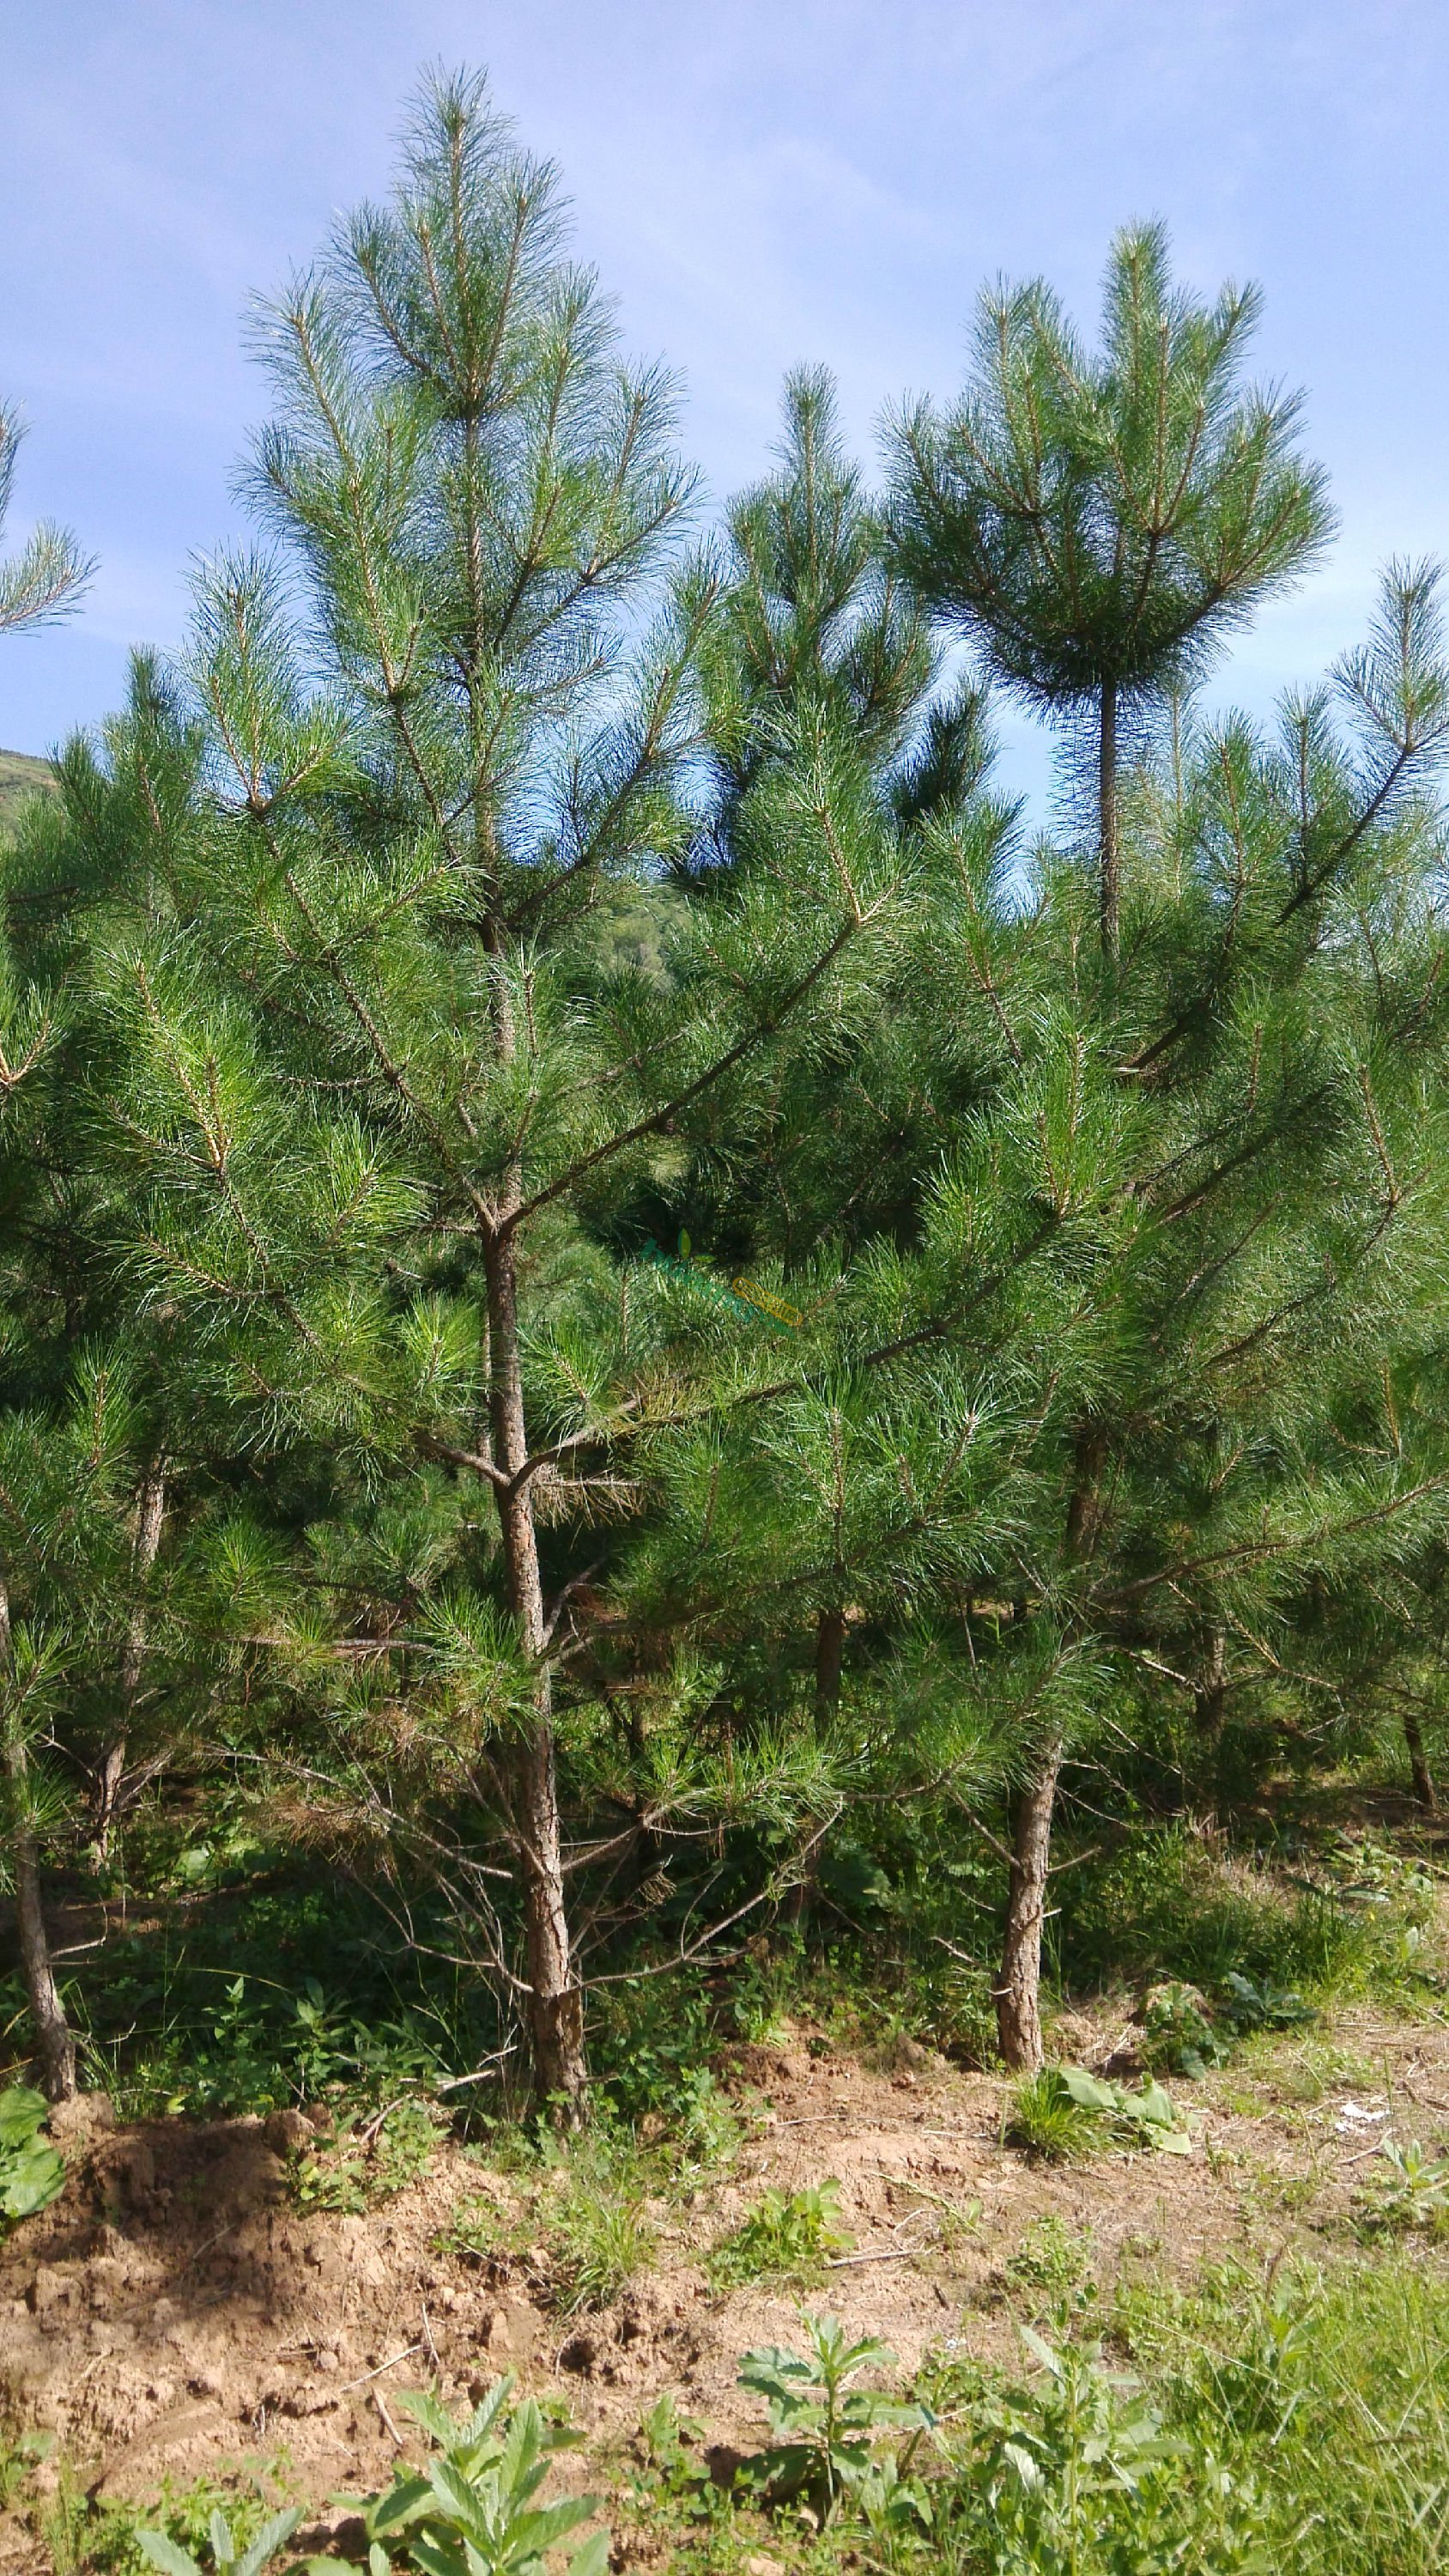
[{"x": 176, "y": 2314}]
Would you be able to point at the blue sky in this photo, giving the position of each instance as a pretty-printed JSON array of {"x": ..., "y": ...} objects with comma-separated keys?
[{"x": 760, "y": 181}]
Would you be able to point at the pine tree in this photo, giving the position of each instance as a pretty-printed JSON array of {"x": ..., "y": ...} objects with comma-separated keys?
[
  {"x": 1097, "y": 521},
  {"x": 43, "y": 582},
  {"x": 378, "y": 1098},
  {"x": 1225, "y": 1159}
]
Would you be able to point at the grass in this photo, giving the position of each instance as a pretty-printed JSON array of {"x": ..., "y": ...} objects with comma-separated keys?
[
  {"x": 601, "y": 2244},
  {"x": 1051, "y": 2260},
  {"x": 1063, "y": 2112},
  {"x": 1043, "y": 2120},
  {"x": 1297, "y": 2424},
  {"x": 581, "y": 2229},
  {"x": 787, "y": 2236},
  {"x": 20, "y": 777}
]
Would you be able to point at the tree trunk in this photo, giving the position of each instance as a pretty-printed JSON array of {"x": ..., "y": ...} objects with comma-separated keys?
[
  {"x": 829, "y": 1657},
  {"x": 54, "y": 2045},
  {"x": 1018, "y": 1995},
  {"x": 555, "y": 2004},
  {"x": 1425, "y": 1792},
  {"x": 150, "y": 1515},
  {"x": 1107, "y": 819},
  {"x": 1210, "y": 1695},
  {"x": 829, "y": 1660}
]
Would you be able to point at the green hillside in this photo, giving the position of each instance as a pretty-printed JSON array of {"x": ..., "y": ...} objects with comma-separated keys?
[{"x": 20, "y": 776}]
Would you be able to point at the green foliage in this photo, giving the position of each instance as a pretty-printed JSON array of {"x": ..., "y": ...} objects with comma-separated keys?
[
  {"x": 825, "y": 2429},
  {"x": 583, "y": 2226},
  {"x": 1050, "y": 2260},
  {"x": 1166, "y": 1906},
  {"x": 475, "y": 2512},
  {"x": 1063, "y": 2112},
  {"x": 1171, "y": 492},
  {"x": 787, "y": 2236},
  {"x": 1411, "y": 2192},
  {"x": 600, "y": 2240},
  {"x": 366, "y": 2161},
  {"x": 225, "y": 2557},
  {"x": 492, "y": 892},
  {"x": 45, "y": 580},
  {"x": 32, "y": 2172},
  {"x": 1073, "y": 2474},
  {"x": 1177, "y": 2036},
  {"x": 1320, "y": 2408},
  {"x": 1251, "y": 2006}
]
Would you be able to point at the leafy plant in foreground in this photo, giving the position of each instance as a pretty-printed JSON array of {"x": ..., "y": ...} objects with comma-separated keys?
[
  {"x": 32, "y": 2173},
  {"x": 226, "y": 2559},
  {"x": 824, "y": 2428},
  {"x": 474, "y": 2513}
]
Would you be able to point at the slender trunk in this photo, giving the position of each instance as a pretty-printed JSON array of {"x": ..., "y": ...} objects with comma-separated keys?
[
  {"x": 150, "y": 1515},
  {"x": 1425, "y": 1792},
  {"x": 1107, "y": 818},
  {"x": 54, "y": 2044},
  {"x": 1210, "y": 1695},
  {"x": 1018, "y": 1994},
  {"x": 555, "y": 2004},
  {"x": 829, "y": 1656}
]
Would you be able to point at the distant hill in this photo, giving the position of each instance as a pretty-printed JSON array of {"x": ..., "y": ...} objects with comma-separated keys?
[{"x": 20, "y": 776}]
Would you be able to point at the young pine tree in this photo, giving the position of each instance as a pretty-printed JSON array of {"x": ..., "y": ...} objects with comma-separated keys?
[
  {"x": 381, "y": 1104},
  {"x": 1243, "y": 1154},
  {"x": 1096, "y": 520}
]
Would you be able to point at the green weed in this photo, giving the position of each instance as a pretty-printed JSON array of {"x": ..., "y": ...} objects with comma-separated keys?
[
  {"x": 599, "y": 2244},
  {"x": 824, "y": 2427},
  {"x": 367, "y": 2161},
  {"x": 32, "y": 2173},
  {"x": 1412, "y": 2191},
  {"x": 1045, "y": 2119},
  {"x": 1063, "y": 2112},
  {"x": 787, "y": 2236},
  {"x": 474, "y": 2512},
  {"x": 226, "y": 2554},
  {"x": 1178, "y": 2038},
  {"x": 1051, "y": 2259}
]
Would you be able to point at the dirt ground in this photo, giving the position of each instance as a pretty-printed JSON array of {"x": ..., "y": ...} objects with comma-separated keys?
[{"x": 175, "y": 2314}]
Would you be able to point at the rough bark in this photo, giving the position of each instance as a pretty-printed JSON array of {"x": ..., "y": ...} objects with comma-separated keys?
[
  {"x": 1210, "y": 1696},
  {"x": 1107, "y": 819},
  {"x": 555, "y": 2004},
  {"x": 1018, "y": 1994},
  {"x": 1425, "y": 1793},
  {"x": 151, "y": 1513},
  {"x": 54, "y": 2045},
  {"x": 829, "y": 1658}
]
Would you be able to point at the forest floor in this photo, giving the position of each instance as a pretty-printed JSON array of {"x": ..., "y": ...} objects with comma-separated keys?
[{"x": 180, "y": 2314}]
